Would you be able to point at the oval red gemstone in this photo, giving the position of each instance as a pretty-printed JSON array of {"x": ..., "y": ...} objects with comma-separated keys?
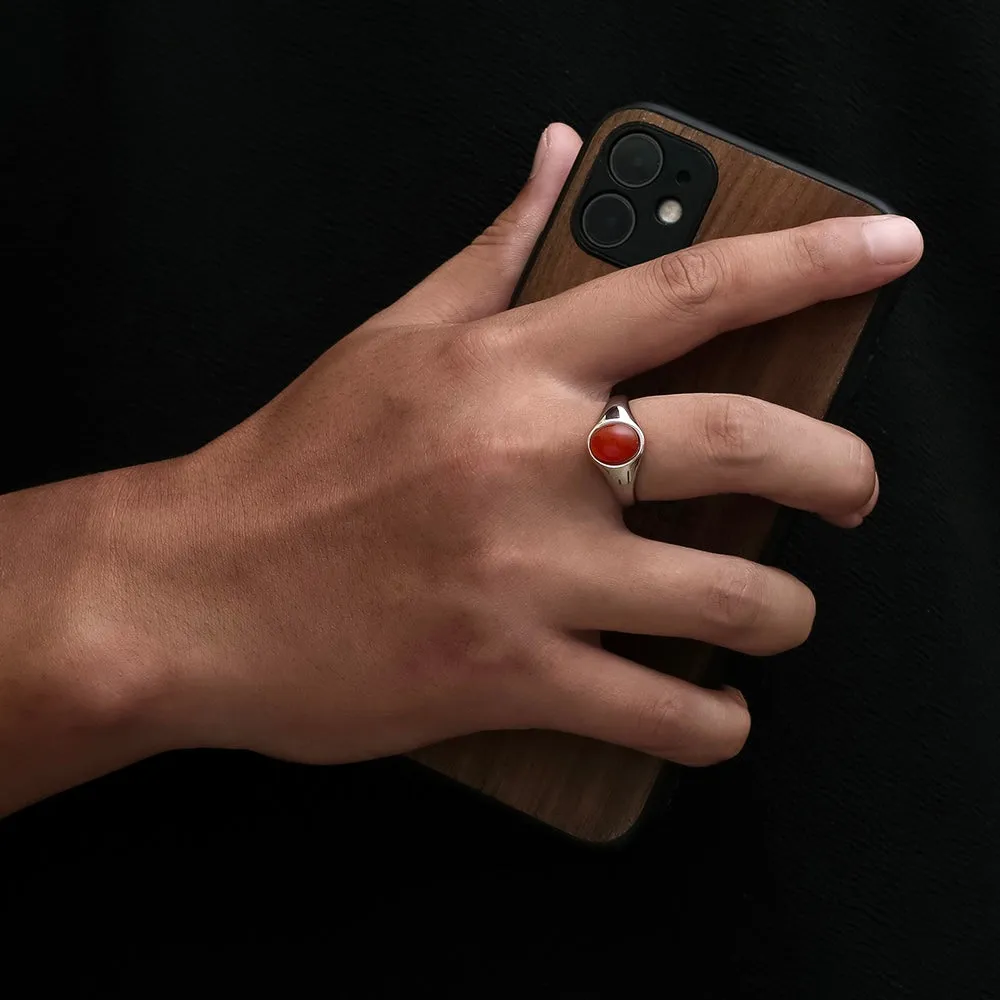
[{"x": 614, "y": 444}]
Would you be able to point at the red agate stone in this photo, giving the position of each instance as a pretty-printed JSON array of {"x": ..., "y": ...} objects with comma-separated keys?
[{"x": 614, "y": 444}]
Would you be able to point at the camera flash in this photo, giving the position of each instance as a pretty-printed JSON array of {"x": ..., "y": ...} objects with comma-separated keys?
[{"x": 669, "y": 211}]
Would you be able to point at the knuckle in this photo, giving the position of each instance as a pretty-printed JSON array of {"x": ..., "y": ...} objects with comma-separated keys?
[
  {"x": 737, "y": 598},
  {"x": 661, "y": 733},
  {"x": 735, "y": 430},
  {"x": 500, "y": 231},
  {"x": 811, "y": 250},
  {"x": 479, "y": 650},
  {"x": 689, "y": 278},
  {"x": 657, "y": 728},
  {"x": 490, "y": 651},
  {"x": 469, "y": 350},
  {"x": 499, "y": 568}
]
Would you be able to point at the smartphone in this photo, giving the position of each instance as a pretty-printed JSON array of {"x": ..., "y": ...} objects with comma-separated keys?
[{"x": 650, "y": 181}]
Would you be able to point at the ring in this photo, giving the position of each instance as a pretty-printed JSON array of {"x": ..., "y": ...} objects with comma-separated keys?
[{"x": 615, "y": 445}]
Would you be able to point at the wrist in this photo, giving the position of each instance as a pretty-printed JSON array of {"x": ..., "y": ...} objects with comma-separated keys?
[
  {"x": 79, "y": 689},
  {"x": 120, "y": 622},
  {"x": 146, "y": 612},
  {"x": 68, "y": 596}
]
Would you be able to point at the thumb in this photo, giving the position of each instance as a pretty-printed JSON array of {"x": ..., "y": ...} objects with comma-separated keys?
[{"x": 480, "y": 280}]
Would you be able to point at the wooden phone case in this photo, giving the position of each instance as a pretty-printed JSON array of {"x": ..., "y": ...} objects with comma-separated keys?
[{"x": 596, "y": 791}]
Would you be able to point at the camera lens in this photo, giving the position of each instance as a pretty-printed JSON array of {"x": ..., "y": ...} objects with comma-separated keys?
[
  {"x": 635, "y": 160},
  {"x": 608, "y": 220}
]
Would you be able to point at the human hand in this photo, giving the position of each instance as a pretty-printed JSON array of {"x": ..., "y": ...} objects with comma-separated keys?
[{"x": 410, "y": 543}]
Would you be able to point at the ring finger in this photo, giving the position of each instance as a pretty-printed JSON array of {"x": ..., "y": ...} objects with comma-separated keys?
[{"x": 706, "y": 443}]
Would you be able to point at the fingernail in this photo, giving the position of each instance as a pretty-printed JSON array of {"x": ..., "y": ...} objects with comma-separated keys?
[
  {"x": 892, "y": 239},
  {"x": 856, "y": 519},
  {"x": 540, "y": 153},
  {"x": 848, "y": 521},
  {"x": 872, "y": 500},
  {"x": 735, "y": 693}
]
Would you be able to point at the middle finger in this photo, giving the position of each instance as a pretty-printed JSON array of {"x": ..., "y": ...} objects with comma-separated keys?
[{"x": 706, "y": 443}]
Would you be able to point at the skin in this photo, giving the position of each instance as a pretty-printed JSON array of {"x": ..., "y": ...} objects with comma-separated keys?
[{"x": 409, "y": 543}]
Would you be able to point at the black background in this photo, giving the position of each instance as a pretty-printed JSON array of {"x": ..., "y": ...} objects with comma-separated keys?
[{"x": 199, "y": 196}]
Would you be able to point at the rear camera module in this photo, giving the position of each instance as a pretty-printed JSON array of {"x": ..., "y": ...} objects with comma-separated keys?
[{"x": 645, "y": 194}]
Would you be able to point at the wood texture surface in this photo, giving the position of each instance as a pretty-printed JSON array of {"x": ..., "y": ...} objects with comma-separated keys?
[{"x": 596, "y": 791}]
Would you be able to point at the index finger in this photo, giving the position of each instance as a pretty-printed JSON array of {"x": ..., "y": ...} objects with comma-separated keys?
[{"x": 643, "y": 316}]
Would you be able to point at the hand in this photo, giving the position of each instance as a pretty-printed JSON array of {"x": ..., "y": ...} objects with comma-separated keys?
[{"x": 409, "y": 543}]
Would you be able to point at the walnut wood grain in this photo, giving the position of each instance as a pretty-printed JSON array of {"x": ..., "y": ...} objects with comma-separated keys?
[{"x": 596, "y": 791}]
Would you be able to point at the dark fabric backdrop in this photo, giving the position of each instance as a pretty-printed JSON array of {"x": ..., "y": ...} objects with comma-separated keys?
[{"x": 200, "y": 195}]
